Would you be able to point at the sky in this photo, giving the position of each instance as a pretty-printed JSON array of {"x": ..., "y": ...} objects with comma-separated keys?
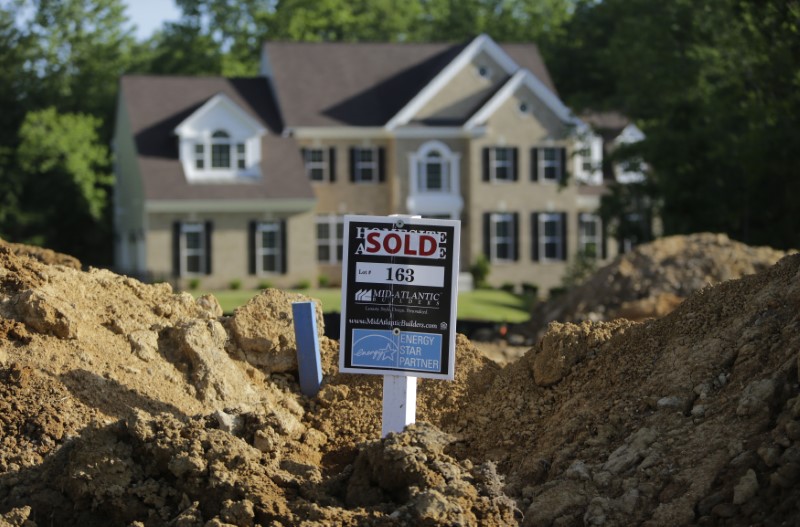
[{"x": 149, "y": 15}]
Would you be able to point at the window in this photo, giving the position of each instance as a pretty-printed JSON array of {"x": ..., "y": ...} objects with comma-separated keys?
[
  {"x": 549, "y": 236},
  {"x": 548, "y": 164},
  {"x": 500, "y": 236},
  {"x": 199, "y": 157},
  {"x": 330, "y": 236},
  {"x": 316, "y": 164},
  {"x": 220, "y": 149},
  {"x": 224, "y": 153},
  {"x": 191, "y": 248},
  {"x": 269, "y": 244},
  {"x": 434, "y": 173},
  {"x": 589, "y": 235},
  {"x": 500, "y": 164},
  {"x": 365, "y": 165}
]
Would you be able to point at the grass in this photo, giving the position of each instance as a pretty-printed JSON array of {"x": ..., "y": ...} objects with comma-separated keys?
[{"x": 483, "y": 304}]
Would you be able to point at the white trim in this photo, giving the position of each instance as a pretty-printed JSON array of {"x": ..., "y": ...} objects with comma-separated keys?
[
  {"x": 523, "y": 78},
  {"x": 233, "y": 205},
  {"x": 438, "y": 132},
  {"x": 261, "y": 251},
  {"x": 430, "y": 201},
  {"x": 481, "y": 43},
  {"x": 586, "y": 218},
  {"x": 558, "y": 239},
  {"x": 336, "y": 132},
  {"x": 192, "y": 227},
  {"x": 333, "y": 241},
  {"x": 405, "y": 132},
  {"x": 495, "y": 218},
  {"x": 219, "y": 99}
]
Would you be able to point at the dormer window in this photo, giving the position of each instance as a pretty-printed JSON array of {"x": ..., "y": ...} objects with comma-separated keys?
[{"x": 220, "y": 142}]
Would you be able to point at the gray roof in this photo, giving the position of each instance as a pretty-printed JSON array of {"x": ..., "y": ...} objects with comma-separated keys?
[
  {"x": 157, "y": 104},
  {"x": 364, "y": 84}
]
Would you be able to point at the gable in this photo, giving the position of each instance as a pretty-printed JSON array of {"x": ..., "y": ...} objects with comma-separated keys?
[
  {"x": 220, "y": 112},
  {"x": 469, "y": 88},
  {"x": 547, "y": 107}
]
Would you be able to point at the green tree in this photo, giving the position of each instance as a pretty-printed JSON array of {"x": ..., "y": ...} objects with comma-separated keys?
[
  {"x": 62, "y": 182},
  {"x": 714, "y": 86}
]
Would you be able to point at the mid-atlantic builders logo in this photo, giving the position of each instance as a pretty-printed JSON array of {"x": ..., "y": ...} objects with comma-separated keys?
[{"x": 397, "y": 298}]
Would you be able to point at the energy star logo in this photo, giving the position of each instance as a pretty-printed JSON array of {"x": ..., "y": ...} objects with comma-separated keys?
[{"x": 365, "y": 295}]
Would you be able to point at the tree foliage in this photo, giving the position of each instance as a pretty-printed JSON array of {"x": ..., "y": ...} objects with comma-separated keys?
[
  {"x": 715, "y": 88},
  {"x": 63, "y": 180}
]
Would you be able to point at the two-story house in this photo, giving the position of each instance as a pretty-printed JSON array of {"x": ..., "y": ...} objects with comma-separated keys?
[{"x": 249, "y": 179}]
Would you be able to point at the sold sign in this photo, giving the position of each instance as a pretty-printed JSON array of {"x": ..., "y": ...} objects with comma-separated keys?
[
  {"x": 392, "y": 268},
  {"x": 384, "y": 242}
]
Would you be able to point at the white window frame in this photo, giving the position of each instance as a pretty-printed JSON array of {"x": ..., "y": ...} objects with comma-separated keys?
[
  {"x": 434, "y": 157},
  {"x": 545, "y": 163},
  {"x": 186, "y": 252},
  {"x": 585, "y": 239},
  {"x": 312, "y": 165},
  {"x": 335, "y": 239},
  {"x": 544, "y": 239},
  {"x": 361, "y": 166},
  {"x": 494, "y": 163},
  {"x": 203, "y": 153},
  {"x": 261, "y": 250},
  {"x": 495, "y": 219}
]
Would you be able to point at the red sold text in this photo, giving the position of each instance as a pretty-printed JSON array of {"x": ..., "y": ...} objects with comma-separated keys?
[{"x": 386, "y": 242}]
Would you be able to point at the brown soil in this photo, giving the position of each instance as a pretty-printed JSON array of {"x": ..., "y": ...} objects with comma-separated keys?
[
  {"x": 653, "y": 279},
  {"x": 126, "y": 404}
]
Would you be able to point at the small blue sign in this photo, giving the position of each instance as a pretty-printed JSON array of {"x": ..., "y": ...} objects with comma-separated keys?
[{"x": 402, "y": 350}]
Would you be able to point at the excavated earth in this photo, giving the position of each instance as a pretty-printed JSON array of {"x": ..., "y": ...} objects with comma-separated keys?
[
  {"x": 653, "y": 279},
  {"x": 127, "y": 404}
]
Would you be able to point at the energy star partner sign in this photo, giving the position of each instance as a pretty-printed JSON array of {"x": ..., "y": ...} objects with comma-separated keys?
[{"x": 399, "y": 292}]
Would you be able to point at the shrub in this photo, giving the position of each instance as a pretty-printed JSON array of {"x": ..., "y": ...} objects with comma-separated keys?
[
  {"x": 264, "y": 284},
  {"x": 579, "y": 270},
  {"x": 557, "y": 291},
  {"x": 194, "y": 284},
  {"x": 323, "y": 281},
  {"x": 508, "y": 287},
  {"x": 529, "y": 289},
  {"x": 235, "y": 284},
  {"x": 480, "y": 272},
  {"x": 303, "y": 284}
]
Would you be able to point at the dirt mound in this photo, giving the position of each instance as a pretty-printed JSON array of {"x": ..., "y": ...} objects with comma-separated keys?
[
  {"x": 127, "y": 404},
  {"x": 41, "y": 254},
  {"x": 653, "y": 279}
]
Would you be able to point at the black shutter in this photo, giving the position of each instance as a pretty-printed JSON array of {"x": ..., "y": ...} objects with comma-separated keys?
[
  {"x": 304, "y": 155},
  {"x": 381, "y": 164},
  {"x": 515, "y": 217},
  {"x": 332, "y": 164},
  {"x": 352, "y": 164},
  {"x": 561, "y": 176},
  {"x": 603, "y": 240},
  {"x": 251, "y": 248},
  {"x": 515, "y": 161},
  {"x": 564, "y": 236},
  {"x": 486, "y": 168},
  {"x": 534, "y": 164},
  {"x": 535, "y": 236},
  {"x": 284, "y": 256},
  {"x": 209, "y": 227},
  {"x": 487, "y": 235},
  {"x": 176, "y": 248}
]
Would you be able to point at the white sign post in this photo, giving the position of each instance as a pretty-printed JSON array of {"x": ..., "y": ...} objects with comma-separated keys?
[{"x": 399, "y": 293}]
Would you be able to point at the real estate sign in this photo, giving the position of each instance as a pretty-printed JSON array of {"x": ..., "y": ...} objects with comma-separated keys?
[{"x": 399, "y": 281}]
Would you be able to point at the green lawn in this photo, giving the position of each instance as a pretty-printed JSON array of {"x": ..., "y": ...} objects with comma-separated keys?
[{"x": 484, "y": 304}]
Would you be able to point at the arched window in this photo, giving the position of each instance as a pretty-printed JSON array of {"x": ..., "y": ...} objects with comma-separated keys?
[
  {"x": 434, "y": 172},
  {"x": 220, "y": 149}
]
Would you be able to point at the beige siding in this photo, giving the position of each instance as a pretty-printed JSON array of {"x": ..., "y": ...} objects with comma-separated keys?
[
  {"x": 465, "y": 92},
  {"x": 346, "y": 197},
  {"x": 230, "y": 251},
  {"x": 510, "y": 128}
]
